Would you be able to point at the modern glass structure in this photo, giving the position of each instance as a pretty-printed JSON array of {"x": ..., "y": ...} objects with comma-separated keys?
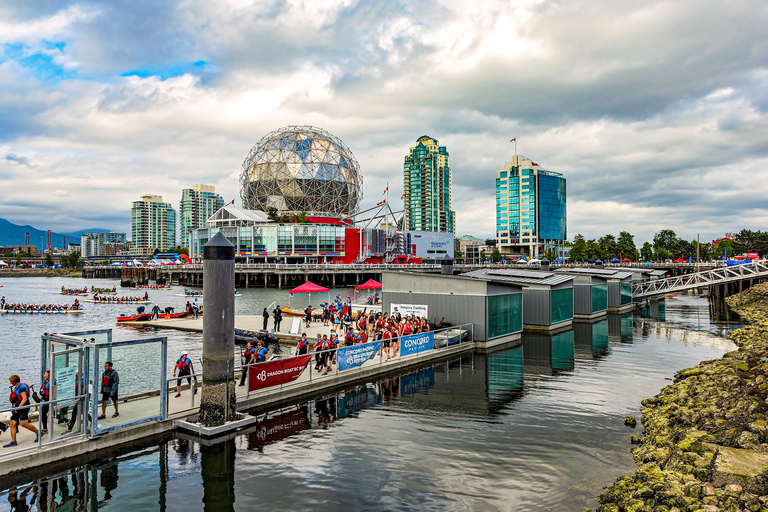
[
  {"x": 92, "y": 244},
  {"x": 428, "y": 184},
  {"x": 153, "y": 225},
  {"x": 301, "y": 168},
  {"x": 530, "y": 208},
  {"x": 198, "y": 204}
]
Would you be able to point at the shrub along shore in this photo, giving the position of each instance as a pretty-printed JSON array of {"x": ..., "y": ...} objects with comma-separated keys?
[{"x": 705, "y": 437}]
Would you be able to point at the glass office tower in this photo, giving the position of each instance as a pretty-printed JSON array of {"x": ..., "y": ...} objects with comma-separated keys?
[
  {"x": 427, "y": 180},
  {"x": 530, "y": 209}
]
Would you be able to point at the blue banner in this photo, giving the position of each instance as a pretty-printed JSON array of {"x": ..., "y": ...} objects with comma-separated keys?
[
  {"x": 416, "y": 343},
  {"x": 350, "y": 357}
]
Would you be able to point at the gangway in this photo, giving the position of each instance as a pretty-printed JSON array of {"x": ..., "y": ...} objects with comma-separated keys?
[{"x": 721, "y": 275}]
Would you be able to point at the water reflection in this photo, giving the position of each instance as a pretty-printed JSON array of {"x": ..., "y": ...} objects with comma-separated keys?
[
  {"x": 620, "y": 328},
  {"x": 217, "y": 469},
  {"x": 591, "y": 339},
  {"x": 549, "y": 354}
]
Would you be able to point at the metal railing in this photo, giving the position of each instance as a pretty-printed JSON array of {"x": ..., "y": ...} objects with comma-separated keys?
[
  {"x": 317, "y": 266},
  {"x": 701, "y": 279}
]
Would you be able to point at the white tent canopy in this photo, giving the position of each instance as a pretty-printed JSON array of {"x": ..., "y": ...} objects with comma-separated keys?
[{"x": 3, "y": 264}]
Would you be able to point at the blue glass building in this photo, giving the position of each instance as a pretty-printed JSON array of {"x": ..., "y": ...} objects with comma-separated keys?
[{"x": 530, "y": 209}]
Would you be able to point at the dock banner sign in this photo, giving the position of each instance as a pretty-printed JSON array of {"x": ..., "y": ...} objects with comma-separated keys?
[
  {"x": 273, "y": 373},
  {"x": 416, "y": 343},
  {"x": 419, "y": 310},
  {"x": 356, "y": 355}
]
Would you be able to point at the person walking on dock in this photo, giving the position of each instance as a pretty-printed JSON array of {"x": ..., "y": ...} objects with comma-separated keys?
[
  {"x": 265, "y": 315},
  {"x": 278, "y": 315},
  {"x": 155, "y": 312},
  {"x": 110, "y": 380},
  {"x": 19, "y": 398},
  {"x": 45, "y": 395},
  {"x": 186, "y": 369}
]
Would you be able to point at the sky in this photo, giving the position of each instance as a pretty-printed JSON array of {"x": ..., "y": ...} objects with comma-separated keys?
[{"x": 655, "y": 111}]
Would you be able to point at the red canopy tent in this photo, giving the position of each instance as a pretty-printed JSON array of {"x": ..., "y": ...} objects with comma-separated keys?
[
  {"x": 309, "y": 288},
  {"x": 369, "y": 285},
  {"x": 626, "y": 259}
]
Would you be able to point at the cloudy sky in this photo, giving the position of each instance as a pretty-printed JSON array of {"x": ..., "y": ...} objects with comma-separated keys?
[{"x": 655, "y": 111}]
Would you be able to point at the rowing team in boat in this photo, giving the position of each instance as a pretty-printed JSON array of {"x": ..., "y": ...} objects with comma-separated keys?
[
  {"x": 195, "y": 293},
  {"x": 68, "y": 291},
  {"x": 104, "y": 290},
  {"x": 6, "y": 306},
  {"x": 115, "y": 299},
  {"x": 151, "y": 287}
]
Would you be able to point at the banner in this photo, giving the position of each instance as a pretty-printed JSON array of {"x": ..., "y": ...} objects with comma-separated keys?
[
  {"x": 278, "y": 427},
  {"x": 416, "y": 343},
  {"x": 419, "y": 310},
  {"x": 272, "y": 373},
  {"x": 350, "y": 357}
]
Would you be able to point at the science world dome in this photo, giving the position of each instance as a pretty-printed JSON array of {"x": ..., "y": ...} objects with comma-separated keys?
[{"x": 301, "y": 168}]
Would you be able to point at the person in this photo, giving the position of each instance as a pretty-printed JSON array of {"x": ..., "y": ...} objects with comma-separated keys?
[
  {"x": 318, "y": 346},
  {"x": 186, "y": 369},
  {"x": 45, "y": 395},
  {"x": 155, "y": 312},
  {"x": 261, "y": 352},
  {"x": 140, "y": 310},
  {"x": 303, "y": 345},
  {"x": 19, "y": 398},
  {"x": 249, "y": 357},
  {"x": 278, "y": 314},
  {"x": 110, "y": 380},
  {"x": 265, "y": 315},
  {"x": 308, "y": 316}
]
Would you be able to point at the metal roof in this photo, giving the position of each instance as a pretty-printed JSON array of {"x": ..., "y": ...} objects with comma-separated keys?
[
  {"x": 599, "y": 272},
  {"x": 517, "y": 276},
  {"x": 649, "y": 271}
]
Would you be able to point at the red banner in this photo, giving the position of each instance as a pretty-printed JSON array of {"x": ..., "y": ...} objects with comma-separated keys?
[
  {"x": 273, "y": 373},
  {"x": 278, "y": 427}
]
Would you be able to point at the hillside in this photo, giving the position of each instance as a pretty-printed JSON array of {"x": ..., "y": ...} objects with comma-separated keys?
[{"x": 13, "y": 234}]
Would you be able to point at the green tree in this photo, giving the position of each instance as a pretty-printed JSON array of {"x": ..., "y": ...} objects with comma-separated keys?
[
  {"x": 607, "y": 247},
  {"x": 593, "y": 250},
  {"x": 71, "y": 260},
  {"x": 180, "y": 250},
  {"x": 48, "y": 260},
  {"x": 578, "y": 249},
  {"x": 495, "y": 256},
  {"x": 647, "y": 251},
  {"x": 626, "y": 245},
  {"x": 550, "y": 254},
  {"x": 665, "y": 239}
]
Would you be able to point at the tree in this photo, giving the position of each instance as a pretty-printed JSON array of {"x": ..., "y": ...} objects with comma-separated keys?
[
  {"x": 550, "y": 254},
  {"x": 607, "y": 247},
  {"x": 626, "y": 245},
  {"x": 48, "y": 260},
  {"x": 647, "y": 251},
  {"x": 179, "y": 250},
  {"x": 72, "y": 260},
  {"x": 495, "y": 256},
  {"x": 578, "y": 249},
  {"x": 593, "y": 250},
  {"x": 490, "y": 242},
  {"x": 666, "y": 239}
]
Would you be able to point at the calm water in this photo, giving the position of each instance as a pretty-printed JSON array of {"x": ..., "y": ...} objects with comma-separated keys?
[{"x": 537, "y": 427}]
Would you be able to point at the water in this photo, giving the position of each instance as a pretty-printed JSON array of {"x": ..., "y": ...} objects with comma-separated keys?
[{"x": 537, "y": 427}]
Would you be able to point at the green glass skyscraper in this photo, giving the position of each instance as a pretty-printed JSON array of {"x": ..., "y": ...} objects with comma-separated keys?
[
  {"x": 198, "y": 204},
  {"x": 530, "y": 208},
  {"x": 428, "y": 183}
]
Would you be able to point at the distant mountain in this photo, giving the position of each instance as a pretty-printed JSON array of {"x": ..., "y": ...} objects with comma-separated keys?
[{"x": 13, "y": 234}]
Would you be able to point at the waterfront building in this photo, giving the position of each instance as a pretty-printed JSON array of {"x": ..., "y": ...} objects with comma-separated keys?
[
  {"x": 494, "y": 309},
  {"x": 429, "y": 244},
  {"x": 198, "y": 204},
  {"x": 530, "y": 209},
  {"x": 619, "y": 285},
  {"x": 547, "y": 296},
  {"x": 18, "y": 249},
  {"x": 471, "y": 247},
  {"x": 428, "y": 187},
  {"x": 93, "y": 244},
  {"x": 153, "y": 225}
]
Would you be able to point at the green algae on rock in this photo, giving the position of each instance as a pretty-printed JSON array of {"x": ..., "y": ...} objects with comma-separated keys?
[{"x": 705, "y": 437}]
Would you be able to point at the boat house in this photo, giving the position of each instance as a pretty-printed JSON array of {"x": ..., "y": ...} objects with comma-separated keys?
[{"x": 619, "y": 285}]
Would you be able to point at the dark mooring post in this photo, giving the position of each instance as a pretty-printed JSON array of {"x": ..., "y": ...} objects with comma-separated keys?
[{"x": 217, "y": 402}]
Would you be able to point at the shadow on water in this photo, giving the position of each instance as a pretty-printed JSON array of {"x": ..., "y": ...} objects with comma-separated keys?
[{"x": 539, "y": 425}]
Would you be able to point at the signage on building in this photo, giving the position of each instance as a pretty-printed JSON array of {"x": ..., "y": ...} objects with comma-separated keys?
[
  {"x": 273, "y": 373},
  {"x": 419, "y": 310}
]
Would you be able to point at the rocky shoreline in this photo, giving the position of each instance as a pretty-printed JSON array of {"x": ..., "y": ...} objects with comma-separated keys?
[{"x": 705, "y": 437}]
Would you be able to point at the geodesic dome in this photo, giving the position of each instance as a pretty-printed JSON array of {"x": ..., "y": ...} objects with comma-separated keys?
[{"x": 301, "y": 168}]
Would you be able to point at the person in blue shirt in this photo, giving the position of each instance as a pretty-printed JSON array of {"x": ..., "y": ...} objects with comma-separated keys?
[
  {"x": 261, "y": 352},
  {"x": 20, "y": 397},
  {"x": 185, "y": 368}
]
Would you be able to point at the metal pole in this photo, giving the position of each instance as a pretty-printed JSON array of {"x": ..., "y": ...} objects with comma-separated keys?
[{"x": 217, "y": 401}]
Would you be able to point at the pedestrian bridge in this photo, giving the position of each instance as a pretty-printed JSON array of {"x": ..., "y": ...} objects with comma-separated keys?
[{"x": 716, "y": 276}]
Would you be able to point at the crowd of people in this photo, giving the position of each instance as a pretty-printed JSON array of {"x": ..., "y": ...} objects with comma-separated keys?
[
  {"x": 104, "y": 290},
  {"x": 7, "y": 306}
]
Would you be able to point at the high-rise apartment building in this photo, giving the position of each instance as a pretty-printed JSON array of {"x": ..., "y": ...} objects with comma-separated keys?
[
  {"x": 530, "y": 208},
  {"x": 428, "y": 183},
  {"x": 92, "y": 244},
  {"x": 198, "y": 204},
  {"x": 153, "y": 225}
]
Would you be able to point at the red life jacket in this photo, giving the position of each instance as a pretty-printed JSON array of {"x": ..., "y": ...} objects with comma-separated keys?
[
  {"x": 183, "y": 364},
  {"x": 45, "y": 390},
  {"x": 16, "y": 397},
  {"x": 247, "y": 354},
  {"x": 105, "y": 380}
]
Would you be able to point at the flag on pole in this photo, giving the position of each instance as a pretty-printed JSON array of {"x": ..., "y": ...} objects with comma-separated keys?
[
  {"x": 513, "y": 140},
  {"x": 232, "y": 202},
  {"x": 402, "y": 196},
  {"x": 381, "y": 202},
  {"x": 386, "y": 189},
  {"x": 534, "y": 163}
]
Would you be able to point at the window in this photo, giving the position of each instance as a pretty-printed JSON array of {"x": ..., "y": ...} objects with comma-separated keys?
[
  {"x": 562, "y": 304},
  {"x": 599, "y": 298},
  {"x": 505, "y": 314}
]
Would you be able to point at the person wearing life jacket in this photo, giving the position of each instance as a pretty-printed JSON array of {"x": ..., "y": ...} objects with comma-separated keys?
[
  {"x": 185, "y": 368},
  {"x": 110, "y": 380},
  {"x": 20, "y": 397},
  {"x": 249, "y": 357},
  {"x": 45, "y": 395},
  {"x": 261, "y": 352},
  {"x": 317, "y": 347},
  {"x": 302, "y": 347}
]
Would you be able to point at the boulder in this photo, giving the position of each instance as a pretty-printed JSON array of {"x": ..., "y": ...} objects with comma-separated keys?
[{"x": 734, "y": 467}]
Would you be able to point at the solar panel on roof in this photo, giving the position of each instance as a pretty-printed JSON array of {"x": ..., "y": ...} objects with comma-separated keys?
[
  {"x": 593, "y": 271},
  {"x": 522, "y": 273}
]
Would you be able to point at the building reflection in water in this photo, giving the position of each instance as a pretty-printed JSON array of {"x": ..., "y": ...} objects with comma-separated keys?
[
  {"x": 620, "y": 328},
  {"x": 548, "y": 354},
  {"x": 591, "y": 339}
]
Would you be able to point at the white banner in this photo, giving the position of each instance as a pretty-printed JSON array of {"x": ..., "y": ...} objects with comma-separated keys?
[
  {"x": 65, "y": 382},
  {"x": 419, "y": 310}
]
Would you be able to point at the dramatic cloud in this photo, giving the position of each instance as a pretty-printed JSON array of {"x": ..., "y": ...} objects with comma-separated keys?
[{"x": 655, "y": 111}]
